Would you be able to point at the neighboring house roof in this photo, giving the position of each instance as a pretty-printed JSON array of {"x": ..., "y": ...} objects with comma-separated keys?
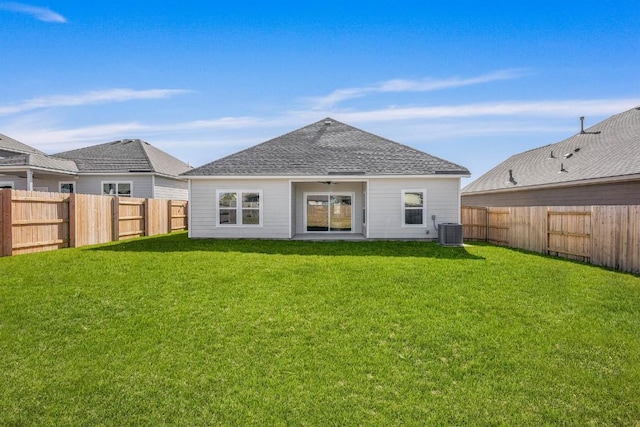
[
  {"x": 41, "y": 161},
  {"x": 125, "y": 156},
  {"x": 9, "y": 146},
  {"x": 328, "y": 147},
  {"x": 609, "y": 149}
]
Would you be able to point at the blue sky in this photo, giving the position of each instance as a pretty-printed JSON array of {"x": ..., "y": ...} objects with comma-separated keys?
[{"x": 473, "y": 82}]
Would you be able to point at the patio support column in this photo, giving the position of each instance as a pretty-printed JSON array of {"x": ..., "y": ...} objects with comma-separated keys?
[{"x": 29, "y": 180}]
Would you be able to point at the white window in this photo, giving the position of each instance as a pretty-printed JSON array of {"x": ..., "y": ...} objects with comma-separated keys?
[
  {"x": 122, "y": 189},
  {"x": 239, "y": 208},
  {"x": 67, "y": 187},
  {"x": 6, "y": 184},
  {"x": 414, "y": 203}
]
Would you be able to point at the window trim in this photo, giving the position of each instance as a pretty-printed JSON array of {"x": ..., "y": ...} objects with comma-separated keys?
[
  {"x": 404, "y": 208},
  {"x": 61, "y": 183},
  {"x": 239, "y": 194},
  {"x": 117, "y": 183}
]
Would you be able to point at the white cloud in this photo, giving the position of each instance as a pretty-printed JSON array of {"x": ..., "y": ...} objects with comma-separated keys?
[
  {"x": 40, "y": 13},
  {"x": 553, "y": 109},
  {"x": 436, "y": 122},
  {"x": 32, "y": 131},
  {"x": 87, "y": 98},
  {"x": 402, "y": 85}
]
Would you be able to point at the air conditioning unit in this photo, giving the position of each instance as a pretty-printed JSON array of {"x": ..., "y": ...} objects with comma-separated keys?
[{"x": 450, "y": 234}]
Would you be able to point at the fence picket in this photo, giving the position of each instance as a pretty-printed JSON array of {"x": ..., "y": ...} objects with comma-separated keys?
[
  {"x": 608, "y": 236},
  {"x": 37, "y": 221}
]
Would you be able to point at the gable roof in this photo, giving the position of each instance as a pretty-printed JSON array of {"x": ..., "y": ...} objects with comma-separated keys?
[
  {"x": 608, "y": 149},
  {"x": 11, "y": 146},
  {"x": 125, "y": 156},
  {"x": 328, "y": 147}
]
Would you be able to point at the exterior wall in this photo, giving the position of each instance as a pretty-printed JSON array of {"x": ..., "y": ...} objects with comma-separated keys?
[
  {"x": 357, "y": 188},
  {"x": 385, "y": 219},
  {"x": 275, "y": 209},
  {"x": 167, "y": 188},
  {"x": 385, "y": 207},
  {"x": 18, "y": 183},
  {"x": 52, "y": 184},
  {"x": 620, "y": 193},
  {"x": 92, "y": 184}
]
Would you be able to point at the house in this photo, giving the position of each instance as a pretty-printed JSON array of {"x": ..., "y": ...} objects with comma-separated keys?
[
  {"x": 597, "y": 166},
  {"x": 128, "y": 168},
  {"x": 25, "y": 168},
  {"x": 324, "y": 180}
]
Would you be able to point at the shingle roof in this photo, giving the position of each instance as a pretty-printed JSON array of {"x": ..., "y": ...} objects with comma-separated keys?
[
  {"x": 12, "y": 146},
  {"x": 328, "y": 147},
  {"x": 125, "y": 156},
  {"x": 610, "y": 148},
  {"x": 40, "y": 161}
]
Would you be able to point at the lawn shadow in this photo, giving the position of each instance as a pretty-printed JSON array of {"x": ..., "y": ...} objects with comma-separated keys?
[{"x": 386, "y": 248}]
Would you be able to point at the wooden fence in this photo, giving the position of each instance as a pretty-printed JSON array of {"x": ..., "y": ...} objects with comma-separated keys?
[
  {"x": 608, "y": 236},
  {"x": 35, "y": 221}
]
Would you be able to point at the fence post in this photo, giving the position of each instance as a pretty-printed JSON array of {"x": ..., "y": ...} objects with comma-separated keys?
[
  {"x": 116, "y": 219},
  {"x": 170, "y": 219},
  {"x": 72, "y": 220},
  {"x": 486, "y": 221},
  {"x": 7, "y": 223},
  {"x": 147, "y": 216}
]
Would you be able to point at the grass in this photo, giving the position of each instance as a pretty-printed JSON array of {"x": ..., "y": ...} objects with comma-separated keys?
[{"x": 167, "y": 331}]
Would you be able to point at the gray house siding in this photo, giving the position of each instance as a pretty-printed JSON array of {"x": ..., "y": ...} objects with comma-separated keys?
[
  {"x": 618, "y": 193},
  {"x": 174, "y": 189},
  {"x": 92, "y": 184},
  {"x": 275, "y": 209},
  {"x": 385, "y": 217},
  {"x": 51, "y": 184},
  {"x": 385, "y": 206},
  {"x": 165, "y": 188},
  {"x": 39, "y": 184},
  {"x": 18, "y": 183}
]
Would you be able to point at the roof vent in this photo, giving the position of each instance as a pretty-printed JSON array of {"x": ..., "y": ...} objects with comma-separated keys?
[
  {"x": 562, "y": 169},
  {"x": 566, "y": 156},
  {"x": 327, "y": 122},
  {"x": 597, "y": 132},
  {"x": 551, "y": 156},
  {"x": 511, "y": 178}
]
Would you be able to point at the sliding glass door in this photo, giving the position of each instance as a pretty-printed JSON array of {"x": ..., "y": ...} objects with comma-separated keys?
[{"x": 329, "y": 212}]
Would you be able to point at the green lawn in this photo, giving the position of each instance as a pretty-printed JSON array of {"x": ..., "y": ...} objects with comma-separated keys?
[{"x": 167, "y": 331}]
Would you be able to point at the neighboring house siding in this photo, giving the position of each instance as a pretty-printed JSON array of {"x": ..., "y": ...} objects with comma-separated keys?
[
  {"x": 52, "y": 185},
  {"x": 385, "y": 206},
  {"x": 620, "y": 193},
  {"x": 166, "y": 188},
  {"x": 301, "y": 188},
  {"x": 18, "y": 183},
  {"x": 92, "y": 184},
  {"x": 275, "y": 209}
]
